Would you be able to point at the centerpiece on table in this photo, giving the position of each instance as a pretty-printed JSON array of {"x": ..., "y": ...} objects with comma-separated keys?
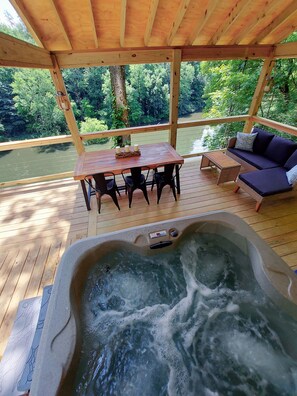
[{"x": 127, "y": 151}]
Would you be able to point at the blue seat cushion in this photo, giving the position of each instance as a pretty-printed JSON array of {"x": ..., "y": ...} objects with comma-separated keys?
[
  {"x": 262, "y": 140},
  {"x": 280, "y": 149},
  {"x": 267, "y": 181},
  {"x": 291, "y": 161},
  {"x": 257, "y": 160}
]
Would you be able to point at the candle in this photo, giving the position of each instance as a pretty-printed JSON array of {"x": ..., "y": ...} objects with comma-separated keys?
[
  {"x": 127, "y": 148},
  {"x": 118, "y": 149},
  {"x": 136, "y": 148}
]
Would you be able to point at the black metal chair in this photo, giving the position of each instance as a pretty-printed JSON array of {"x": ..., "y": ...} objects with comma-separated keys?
[
  {"x": 135, "y": 179},
  {"x": 104, "y": 186},
  {"x": 166, "y": 177}
]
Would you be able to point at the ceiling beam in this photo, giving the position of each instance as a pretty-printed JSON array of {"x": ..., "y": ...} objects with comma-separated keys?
[
  {"x": 286, "y": 50},
  {"x": 93, "y": 24},
  {"x": 254, "y": 21},
  {"x": 225, "y": 52},
  {"x": 123, "y": 22},
  {"x": 28, "y": 21},
  {"x": 212, "y": 4},
  {"x": 121, "y": 56},
  {"x": 18, "y": 53},
  {"x": 61, "y": 24},
  {"x": 277, "y": 22},
  {"x": 237, "y": 11},
  {"x": 178, "y": 20},
  {"x": 113, "y": 58},
  {"x": 150, "y": 21}
]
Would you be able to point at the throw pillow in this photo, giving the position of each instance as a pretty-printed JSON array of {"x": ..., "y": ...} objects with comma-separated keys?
[
  {"x": 280, "y": 149},
  {"x": 262, "y": 140},
  {"x": 292, "y": 175},
  {"x": 245, "y": 141},
  {"x": 291, "y": 161}
]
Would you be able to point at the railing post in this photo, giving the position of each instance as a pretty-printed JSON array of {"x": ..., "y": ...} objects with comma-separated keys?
[
  {"x": 259, "y": 92},
  {"x": 174, "y": 94},
  {"x": 70, "y": 119}
]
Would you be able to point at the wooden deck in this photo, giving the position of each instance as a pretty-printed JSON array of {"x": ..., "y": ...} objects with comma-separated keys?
[{"x": 39, "y": 221}]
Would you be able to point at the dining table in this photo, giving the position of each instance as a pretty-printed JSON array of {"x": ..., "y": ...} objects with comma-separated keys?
[{"x": 152, "y": 155}]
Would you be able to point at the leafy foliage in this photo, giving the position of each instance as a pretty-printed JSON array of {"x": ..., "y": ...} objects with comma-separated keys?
[
  {"x": 93, "y": 125},
  {"x": 34, "y": 98},
  {"x": 15, "y": 27},
  {"x": 223, "y": 88},
  {"x": 11, "y": 123}
]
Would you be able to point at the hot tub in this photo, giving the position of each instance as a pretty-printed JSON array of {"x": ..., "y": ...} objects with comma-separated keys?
[{"x": 197, "y": 305}]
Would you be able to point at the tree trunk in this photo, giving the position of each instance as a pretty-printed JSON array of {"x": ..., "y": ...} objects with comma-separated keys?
[{"x": 120, "y": 105}]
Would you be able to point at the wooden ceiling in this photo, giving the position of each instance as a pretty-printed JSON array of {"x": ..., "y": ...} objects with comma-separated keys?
[{"x": 78, "y": 25}]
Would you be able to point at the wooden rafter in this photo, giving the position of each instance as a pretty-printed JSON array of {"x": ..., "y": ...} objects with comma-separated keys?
[
  {"x": 286, "y": 50},
  {"x": 60, "y": 24},
  {"x": 287, "y": 31},
  {"x": 212, "y": 4},
  {"x": 178, "y": 20},
  {"x": 93, "y": 24},
  {"x": 253, "y": 22},
  {"x": 150, "y": 21},
  {"x": 277, "y": 22},
  {"x": 123, "y": 22},
  {"x": 107, "y": 25},
  {"x": 28, "y": 21},
  {"x": 236, "y": 12},
  {"x": 18, "y": 53}
]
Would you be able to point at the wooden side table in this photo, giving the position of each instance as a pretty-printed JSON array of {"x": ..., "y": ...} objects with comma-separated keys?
[{"x": 228, "y": 167}]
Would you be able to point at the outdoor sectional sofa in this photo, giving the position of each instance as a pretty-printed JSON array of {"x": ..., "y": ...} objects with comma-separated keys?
[{"x": 269, "y": 165}]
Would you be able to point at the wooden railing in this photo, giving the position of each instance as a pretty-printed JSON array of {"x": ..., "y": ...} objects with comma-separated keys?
[{"x": 129, "y": 131}]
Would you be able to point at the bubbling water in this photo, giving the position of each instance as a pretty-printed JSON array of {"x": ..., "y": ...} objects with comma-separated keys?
[{"x": 192, "y": 321}]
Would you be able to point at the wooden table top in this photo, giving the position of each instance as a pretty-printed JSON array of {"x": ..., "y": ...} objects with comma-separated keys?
[
  {"x": 221, "y": 160},
  {"x": 152, "y": 155}
]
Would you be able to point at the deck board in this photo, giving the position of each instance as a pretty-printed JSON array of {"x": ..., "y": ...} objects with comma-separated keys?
[{"x": 38, "y": 222}]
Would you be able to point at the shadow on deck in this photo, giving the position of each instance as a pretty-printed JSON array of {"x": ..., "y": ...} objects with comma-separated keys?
[{"x": 38, "y": 222}]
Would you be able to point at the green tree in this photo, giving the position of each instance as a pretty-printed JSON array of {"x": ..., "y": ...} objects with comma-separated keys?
[
  {"x": 280, "y": 103},
  {"x": 148, "y": 93},
  {"x": 16, "y": 28},
  {"x": 35, "y": 102},
  {"x": 187, "y": 75},
  {"x": 93, "y": 125},
  {"x": 229, "y": 89},
  {"x": 120, "y": 114},
  {"x": 12, "y": 124}
]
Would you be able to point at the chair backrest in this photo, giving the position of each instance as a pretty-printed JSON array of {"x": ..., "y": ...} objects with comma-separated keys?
[
  {"x": 100, "y": 182},
  {"x": 168, "y": 171},
  {"x": 136, "y": 174}
]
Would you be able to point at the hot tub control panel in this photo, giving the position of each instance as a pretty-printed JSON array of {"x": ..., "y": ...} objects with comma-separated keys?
[{"x": 158, "y": 234}]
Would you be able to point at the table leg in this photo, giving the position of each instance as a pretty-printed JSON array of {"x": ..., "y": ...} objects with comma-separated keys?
[
  {"x": 205, "y": 162},
  {"x": 177, "y": 179},
  {"x": 86, "y": 195}
]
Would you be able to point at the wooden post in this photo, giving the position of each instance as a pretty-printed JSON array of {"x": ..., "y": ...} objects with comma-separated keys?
[
  {"x": 174, "y": 94},
  {"x": 259, "y": 92},
  {"x": 71, "y": 122}
]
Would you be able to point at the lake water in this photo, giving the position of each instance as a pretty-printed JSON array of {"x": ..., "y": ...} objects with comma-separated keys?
[{"x": 39, "y": 161}]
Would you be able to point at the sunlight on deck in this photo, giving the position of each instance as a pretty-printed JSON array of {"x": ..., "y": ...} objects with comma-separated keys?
[{"x": 38, "y": 222}]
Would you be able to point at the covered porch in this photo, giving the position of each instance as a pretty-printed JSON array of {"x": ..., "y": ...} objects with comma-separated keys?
[
  {"x": 39, "y": 221},
  {"x": 42, "y": 216}
]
